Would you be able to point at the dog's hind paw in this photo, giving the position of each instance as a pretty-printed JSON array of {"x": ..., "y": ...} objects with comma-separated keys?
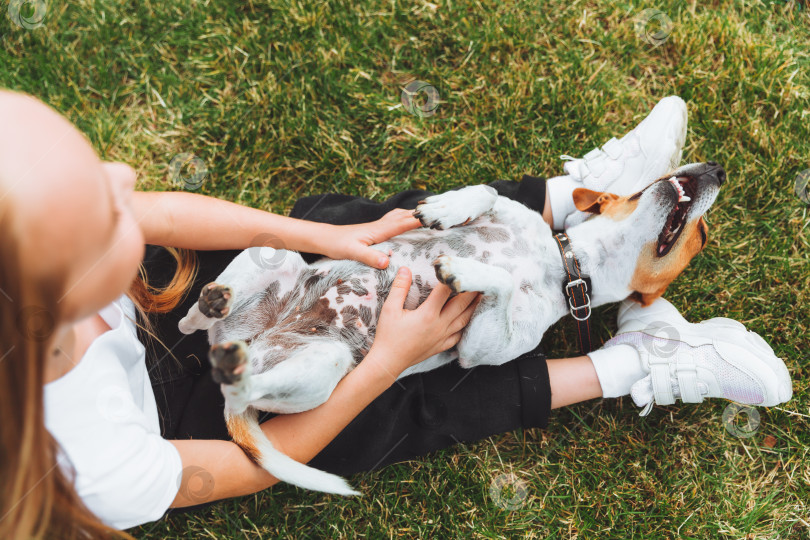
[
  {"x": 215, "y": 300},
  {"x": 228, "y": 361},
  {"x": 453, "y": 272}
]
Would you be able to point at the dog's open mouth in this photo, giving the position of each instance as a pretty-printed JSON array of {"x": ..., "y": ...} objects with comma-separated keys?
[{"x": 685, "y": 189}]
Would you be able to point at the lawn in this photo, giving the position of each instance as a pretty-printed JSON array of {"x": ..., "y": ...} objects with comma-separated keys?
[{"x": 278, "y": 100}]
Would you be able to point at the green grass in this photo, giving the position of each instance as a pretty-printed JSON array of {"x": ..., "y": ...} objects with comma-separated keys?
[{"x": 285, "y": 99}]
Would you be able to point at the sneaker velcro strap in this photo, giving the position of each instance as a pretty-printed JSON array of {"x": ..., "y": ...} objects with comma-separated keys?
[
  {"x": 597, "y": 164},
  {"x": 613, "y": 148},
  {"x": 688, "y": 382},
  {"x": 661, "y": 381},
  {"x": 592, "y": 154}
]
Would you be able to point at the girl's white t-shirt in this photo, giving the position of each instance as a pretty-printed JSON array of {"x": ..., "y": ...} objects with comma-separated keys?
[{"x": 104, "y": 416}]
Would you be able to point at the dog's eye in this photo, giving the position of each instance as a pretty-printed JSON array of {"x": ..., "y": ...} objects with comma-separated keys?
[{"x": 703, "y": 235}]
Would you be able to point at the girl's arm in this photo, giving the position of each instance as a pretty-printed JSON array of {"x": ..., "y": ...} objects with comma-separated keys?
[
  {"x": 403, "y": 338},
  {"x": 229, "y": 473},
  {"x": 193, "y": 221}
]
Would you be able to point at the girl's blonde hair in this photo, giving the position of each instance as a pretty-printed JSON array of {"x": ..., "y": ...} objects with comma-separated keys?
[{"x": 38, "y": 500}]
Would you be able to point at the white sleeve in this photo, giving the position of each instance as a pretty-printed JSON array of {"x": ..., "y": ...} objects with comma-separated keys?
[
  {"x": 104, "y": 417},
  {"x": 136, "y": 478},
  {"x": 125, "y": 472}
]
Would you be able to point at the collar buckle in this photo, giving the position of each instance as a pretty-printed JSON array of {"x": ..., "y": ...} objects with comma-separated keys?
[
  {"x": 574, "y": 283},
  {"x": 572, "y": 308}
]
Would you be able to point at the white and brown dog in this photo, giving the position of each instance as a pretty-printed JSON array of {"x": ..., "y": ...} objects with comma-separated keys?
[{"x": 283, "y": 337}]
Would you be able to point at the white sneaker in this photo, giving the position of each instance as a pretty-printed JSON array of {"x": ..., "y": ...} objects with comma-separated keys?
[
  {"x": 628, "y": 165},
  {"x": 713, "y": 358}
]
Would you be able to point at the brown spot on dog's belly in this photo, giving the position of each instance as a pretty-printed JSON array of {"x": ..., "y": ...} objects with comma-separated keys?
[
  {"x": 322, "y": 313},
  {"x": 240, "y": 429},
  {"x": 343, "y": 288},
  {"x": 350, "y": 315}
]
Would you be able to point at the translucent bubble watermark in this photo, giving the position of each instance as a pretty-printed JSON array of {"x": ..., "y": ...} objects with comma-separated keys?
[
  {"x": 28, "y": 14},
  {"x": 508, "y": 491},
  {"x": 410, "y": 98},
  {"x": 800, "y": 186},
  {"x": 114, "y": 403},
  {"x": 665, "y": 339},
  {"x": 187, "y": 171},
  {"x": 267, "y": 251},
  {"x": 35, "y": 323},
  {"x": 653, "y": 26},
  {"x": 741, "y": 430},
  {"x": 196, "y": 484}
]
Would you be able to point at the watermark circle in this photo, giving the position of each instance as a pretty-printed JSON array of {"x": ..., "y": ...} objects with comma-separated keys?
[
  {"x": 115, "y": 403},
  {"x": 267, "y": 251},
  {"x": 730, "y": 414},
  {"x": 800, "y": 186},
  {"x": 198, "y": 484},
  {"x": 508, "y": 491},
  {"x": 653, "y": 26},
  {"x": 35, "y": 323},
  {"x": 412, "y": 90},
  {"x": 28, "y": 14},
  {"x": 192, "y": 181},
  {"x": 664, "y": 341}
]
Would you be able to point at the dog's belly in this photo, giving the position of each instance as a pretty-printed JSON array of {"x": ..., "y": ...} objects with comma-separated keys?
[
  {"x": 508, "y": 246},
  {"x": 342, "y": 300}
]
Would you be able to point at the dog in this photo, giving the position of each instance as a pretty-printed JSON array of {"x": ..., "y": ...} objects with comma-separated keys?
[{"x": 284, "y": 332}]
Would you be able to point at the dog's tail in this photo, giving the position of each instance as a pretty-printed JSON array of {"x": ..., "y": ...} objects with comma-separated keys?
[{"x": 246, "y": 432}]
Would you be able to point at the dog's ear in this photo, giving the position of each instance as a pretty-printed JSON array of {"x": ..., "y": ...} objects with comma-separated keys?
[{"x": 592, "y": 201}]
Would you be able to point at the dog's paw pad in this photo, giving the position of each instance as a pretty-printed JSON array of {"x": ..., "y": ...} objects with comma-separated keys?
[
  {"x": 228, "y": 361},
  {"x": 215, "y": 300},
  {"x": 443, "y": 265}
]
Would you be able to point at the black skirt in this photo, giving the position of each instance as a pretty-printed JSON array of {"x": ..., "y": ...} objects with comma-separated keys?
[{"x": 417, "y": 415}]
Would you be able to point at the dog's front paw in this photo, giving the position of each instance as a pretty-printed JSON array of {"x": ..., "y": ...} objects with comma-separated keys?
[
  {"x": 228, "y": 361},
  {"x": 437, "y": 215},
  {"x": 455, "y": 207},
  {"x": 215, "y": 300}
]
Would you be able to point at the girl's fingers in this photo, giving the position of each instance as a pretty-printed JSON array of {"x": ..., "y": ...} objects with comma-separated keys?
[
  {"x": 451, "y": 341},
  {"x": 371, "y": 257},
  {"x": 397, "y": 222},
  {"x": 437, "y": 298},
  {"x": 463, "y": 319},
  {"x": 399, "y": 290},
  {"x": 454, "y": 307}
]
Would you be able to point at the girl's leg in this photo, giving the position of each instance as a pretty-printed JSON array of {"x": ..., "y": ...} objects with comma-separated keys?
[
  {"x": 430, "y": 411},
  {"x": 572, "y": 380}
]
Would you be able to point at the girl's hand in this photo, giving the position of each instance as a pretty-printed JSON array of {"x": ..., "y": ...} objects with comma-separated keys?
[
  {"x": 353, "y": 241},
  {"x": 406, "y": 337}
]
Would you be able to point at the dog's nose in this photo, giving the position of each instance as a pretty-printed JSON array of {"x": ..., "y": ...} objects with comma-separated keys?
[{"x": 716, "y": 171}]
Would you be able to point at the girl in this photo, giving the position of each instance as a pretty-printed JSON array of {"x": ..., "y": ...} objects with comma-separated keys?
[{"x": 131, "y": 433}]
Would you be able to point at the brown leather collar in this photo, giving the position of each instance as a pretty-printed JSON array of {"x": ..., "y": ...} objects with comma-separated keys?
[{"x": 576, "y": 287}]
